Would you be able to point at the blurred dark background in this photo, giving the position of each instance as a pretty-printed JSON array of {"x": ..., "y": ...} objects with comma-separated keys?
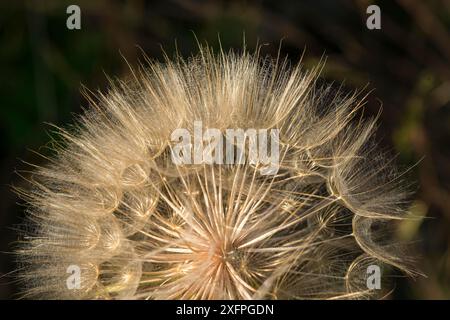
[{"x": 43, "y": 65}]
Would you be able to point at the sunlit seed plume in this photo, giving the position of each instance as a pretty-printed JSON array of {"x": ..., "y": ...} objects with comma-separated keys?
[{"x": 112, "y": 202}]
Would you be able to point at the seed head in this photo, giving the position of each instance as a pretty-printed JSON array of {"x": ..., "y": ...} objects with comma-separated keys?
[{"x": 112, "y": 202}]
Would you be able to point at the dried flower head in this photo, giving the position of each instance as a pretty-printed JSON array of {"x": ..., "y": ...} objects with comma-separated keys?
[{"x": 137, "y": 226}]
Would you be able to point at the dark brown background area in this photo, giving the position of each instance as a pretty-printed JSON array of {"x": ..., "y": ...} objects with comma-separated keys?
[{"x": 43, "y": 64}]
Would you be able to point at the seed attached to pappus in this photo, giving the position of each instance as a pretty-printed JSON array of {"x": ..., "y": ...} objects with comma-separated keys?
[{"x": 140, "y": 226}]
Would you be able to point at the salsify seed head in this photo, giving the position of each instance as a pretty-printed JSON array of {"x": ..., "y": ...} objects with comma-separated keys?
[{"x": 112, "y": 202}]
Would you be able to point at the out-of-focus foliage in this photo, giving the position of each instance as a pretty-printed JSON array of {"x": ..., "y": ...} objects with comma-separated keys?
[{"x": 43, "y": 64}]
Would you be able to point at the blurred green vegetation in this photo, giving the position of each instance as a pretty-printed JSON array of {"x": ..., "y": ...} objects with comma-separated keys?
[{"x": 43, "y": 65}]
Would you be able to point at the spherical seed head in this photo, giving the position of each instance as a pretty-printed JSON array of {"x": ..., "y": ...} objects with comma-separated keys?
[{"x": 113, "y": 203}]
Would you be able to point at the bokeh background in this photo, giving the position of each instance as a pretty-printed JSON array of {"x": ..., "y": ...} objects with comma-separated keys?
[{"x": 43, "y": 65}]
